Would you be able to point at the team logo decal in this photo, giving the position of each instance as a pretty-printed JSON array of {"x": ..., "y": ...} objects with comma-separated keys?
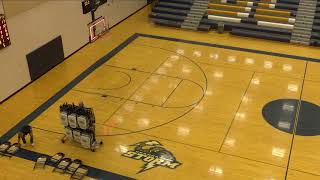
[{"x": 153, "y": 154}]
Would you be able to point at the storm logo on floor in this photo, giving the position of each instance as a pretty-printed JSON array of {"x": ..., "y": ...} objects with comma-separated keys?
[{"x": 153, "y": 154}]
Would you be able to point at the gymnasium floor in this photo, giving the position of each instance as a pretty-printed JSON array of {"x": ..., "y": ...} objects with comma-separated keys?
[{"x": 221, "y": 106}]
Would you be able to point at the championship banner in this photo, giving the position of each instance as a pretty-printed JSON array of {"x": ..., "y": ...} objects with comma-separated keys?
[{"x": 4, "y": 34}]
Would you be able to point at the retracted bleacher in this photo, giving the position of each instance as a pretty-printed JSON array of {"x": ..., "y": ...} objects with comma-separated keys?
[{"x": 295, "y": 21}]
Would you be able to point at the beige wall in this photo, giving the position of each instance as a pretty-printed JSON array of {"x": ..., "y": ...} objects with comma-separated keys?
[
  {"x": 117, "y": 10},
  {"x": 36, "y": 26},
  {"x": 15, "y": 7},
  {"x": 1, "y": 8}
]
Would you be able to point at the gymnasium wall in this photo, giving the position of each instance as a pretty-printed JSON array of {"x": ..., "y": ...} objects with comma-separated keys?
[
  {"x": 14, "y": 7},
  {"x": 33, "y": 26},
  {"x": 1, "y": 8},
  {"x": 120, "y": 8}
]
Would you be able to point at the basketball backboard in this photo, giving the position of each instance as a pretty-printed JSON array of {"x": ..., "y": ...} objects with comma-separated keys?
[{"x": 98, "y": 28}]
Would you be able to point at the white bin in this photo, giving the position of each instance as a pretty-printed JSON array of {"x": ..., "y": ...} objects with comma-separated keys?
[
  {"x": 72, "y": 118},
  {"x": 64, "y": 118}
]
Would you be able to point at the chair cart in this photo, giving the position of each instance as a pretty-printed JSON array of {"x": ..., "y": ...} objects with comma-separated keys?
[{"x": 79, "y": 125}]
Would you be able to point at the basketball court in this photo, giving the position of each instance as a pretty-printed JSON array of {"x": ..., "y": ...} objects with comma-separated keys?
[{"x": 211, "y": 109}]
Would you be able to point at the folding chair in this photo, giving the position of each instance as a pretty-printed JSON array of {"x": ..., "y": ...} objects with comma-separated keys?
[
  {"x": 62, "y": 165},
  {"x": 12, "y": 149},
  {"x": 80, "y": 173},
  {"x": 40, "y": 163},
  {"x": 57, "y": 157},
  {"x": 4, "y": 147},
  {"x": 75, "y": 164}
]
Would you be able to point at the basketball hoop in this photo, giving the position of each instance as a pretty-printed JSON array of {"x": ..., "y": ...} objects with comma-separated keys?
[{"x": 97, "y": 28}]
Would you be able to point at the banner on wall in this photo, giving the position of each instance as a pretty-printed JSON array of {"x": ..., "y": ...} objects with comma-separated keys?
[{"x": 4, "y": 33}]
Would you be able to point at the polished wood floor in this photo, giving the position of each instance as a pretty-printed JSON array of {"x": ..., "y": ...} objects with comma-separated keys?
[{"x": 202, "y": 103}]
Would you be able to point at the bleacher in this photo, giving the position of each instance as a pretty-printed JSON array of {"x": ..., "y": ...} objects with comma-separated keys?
[
  {"x": 173, "y": 13},
  {"x": 295, "y": 21},
  {"x": 261, "y": 19},
  {"x": 315, "y": 36}
]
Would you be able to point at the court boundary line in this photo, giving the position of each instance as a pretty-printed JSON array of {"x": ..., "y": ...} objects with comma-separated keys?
[
  {"x": 296, "y": 122},
  {"x": 181, "y": 143},
  {"x": 231, "y": 48},
  {"x": 44, "y": 106},
  {"x": 236, "y": 112},
  {"x": 115, "y": 88},
  {"x": 199, "y": 147},
  {"x": 163, "y": 103},
  {"x": 136, "y": 90},
  {"x": 238, "y": 68},
  {"x": 145, "y": 72}
]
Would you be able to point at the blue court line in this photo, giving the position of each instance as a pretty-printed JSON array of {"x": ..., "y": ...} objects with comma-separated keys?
[
  {"x": 232, "y": 48},
  {"x": 30, "y": 155}
]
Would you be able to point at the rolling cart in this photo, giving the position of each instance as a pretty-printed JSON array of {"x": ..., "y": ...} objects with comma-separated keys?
[{"x": 79, "y": 125}]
